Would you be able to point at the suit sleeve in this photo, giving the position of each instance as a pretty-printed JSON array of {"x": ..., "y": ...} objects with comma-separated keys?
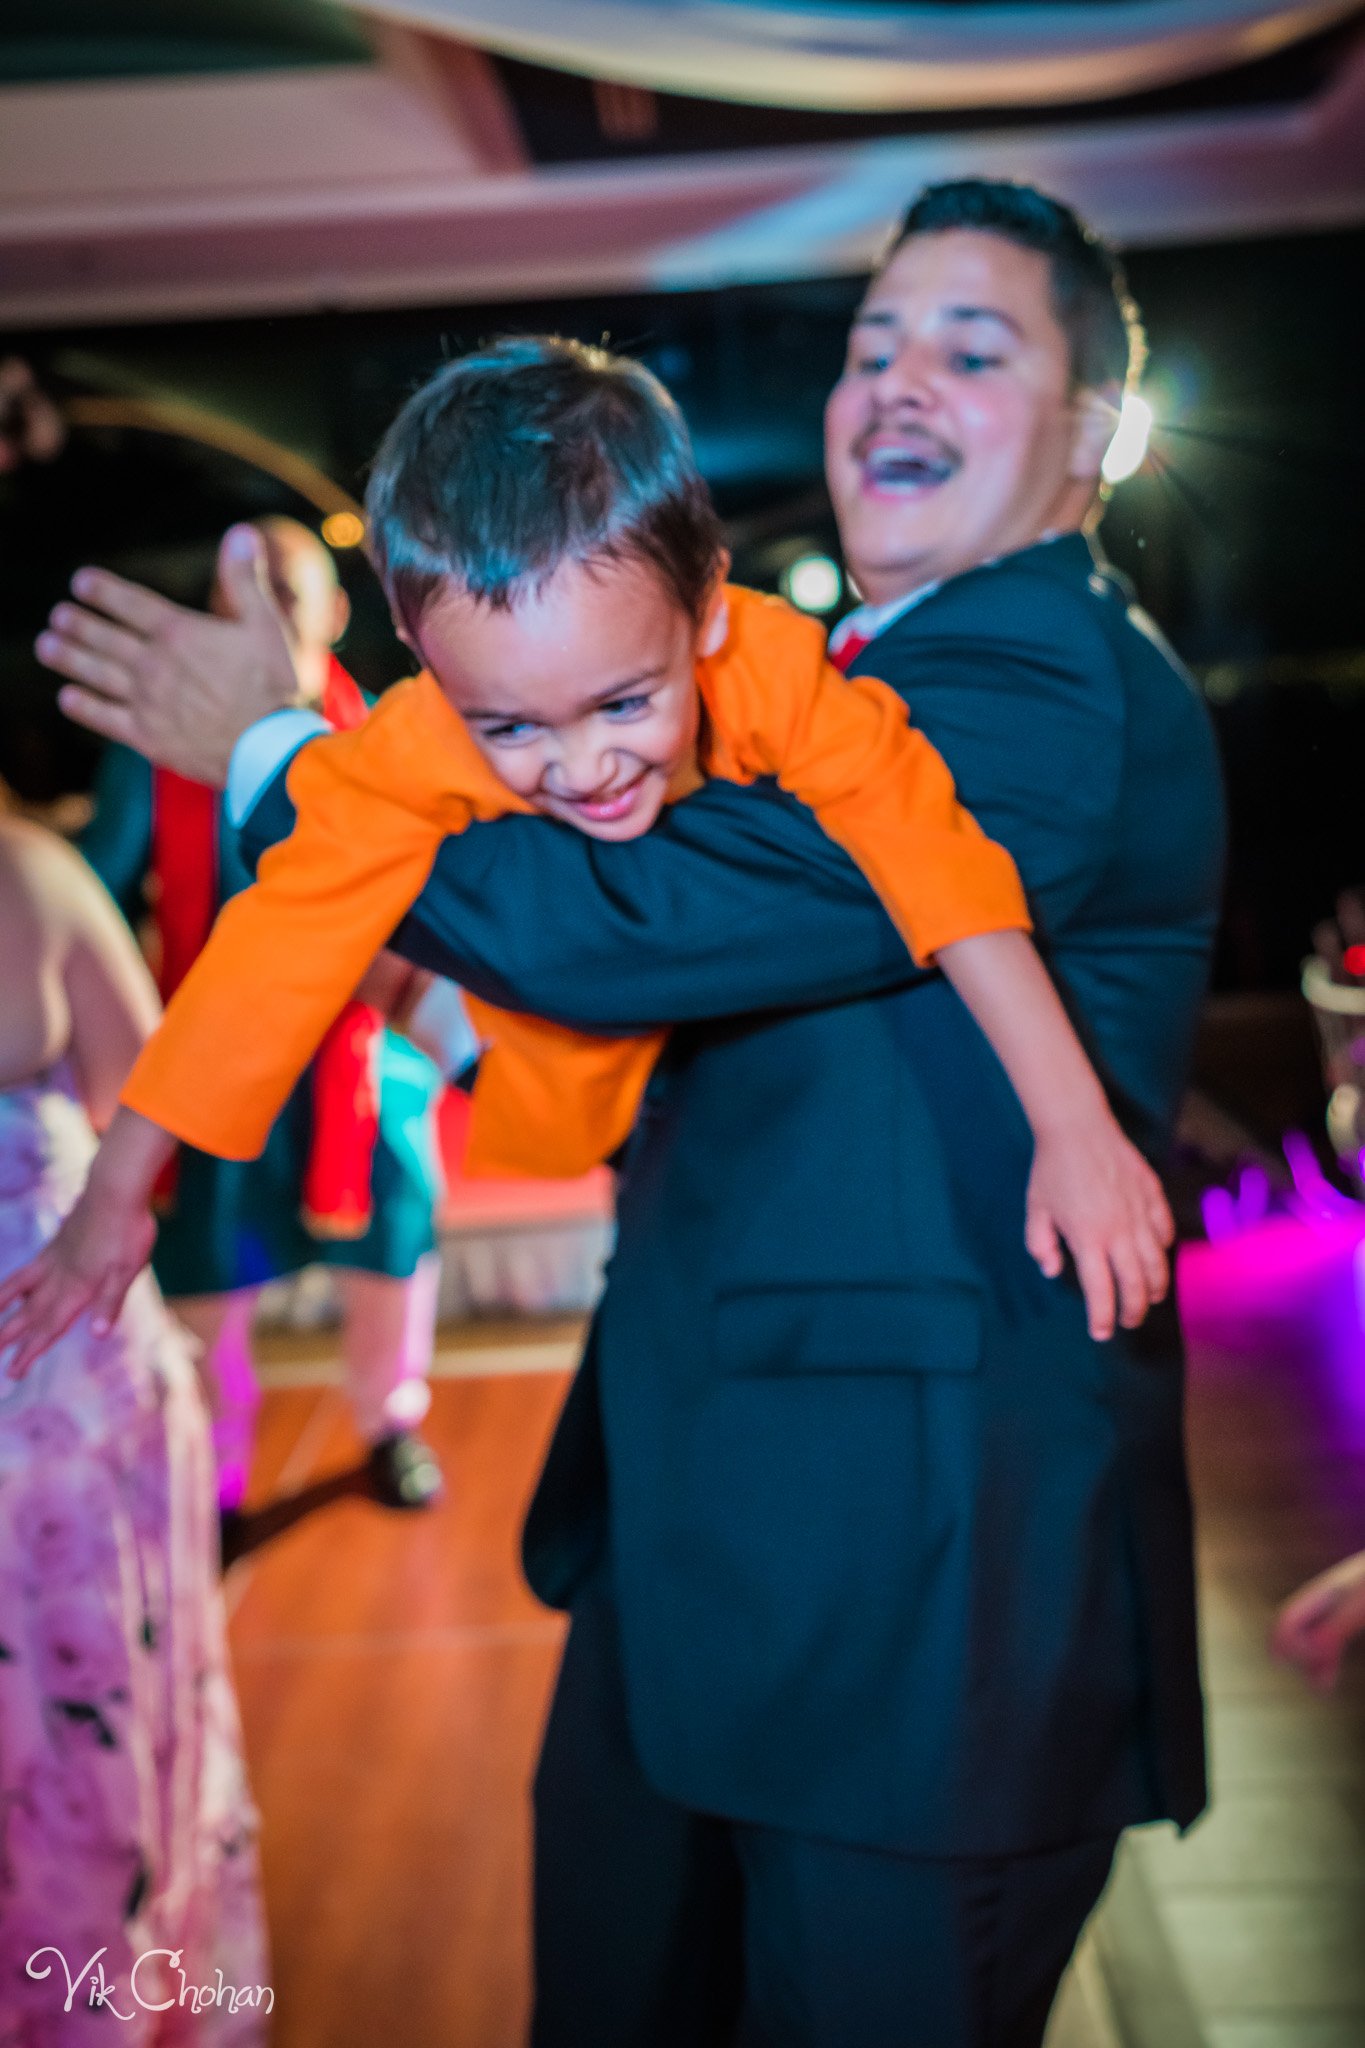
[{"x": 737, "y": 902}]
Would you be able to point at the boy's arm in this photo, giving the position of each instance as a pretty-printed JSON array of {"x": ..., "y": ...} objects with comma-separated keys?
[
  {"x": 280, "y": 963},
  {"x": 1089, "y": 1186},
  {"x": 737, "y": 902},
  {"x": 845, "y": 747},
  {"x": 536, "y": 917},
  {"x": 877, "y": 785},
  {"x": 287, "y": 953},
  {"x": 702, "y": 919}
]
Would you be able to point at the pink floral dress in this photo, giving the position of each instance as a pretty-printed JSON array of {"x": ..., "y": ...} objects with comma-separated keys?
[{"x": 130, "y": 1907}]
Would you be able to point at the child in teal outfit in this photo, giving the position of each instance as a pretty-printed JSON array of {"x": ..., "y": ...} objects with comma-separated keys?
[{"x": 230, "y": 1226}]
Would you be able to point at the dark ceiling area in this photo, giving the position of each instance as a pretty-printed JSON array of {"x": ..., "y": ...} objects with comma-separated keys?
[{"x": 44, "y": 41}]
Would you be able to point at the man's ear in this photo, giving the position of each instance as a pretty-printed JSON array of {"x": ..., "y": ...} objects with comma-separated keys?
[
  {"x": 341, "y": 615},
  {"x": 715, "y": 622},
  {"x": 1097, "y": 417}
]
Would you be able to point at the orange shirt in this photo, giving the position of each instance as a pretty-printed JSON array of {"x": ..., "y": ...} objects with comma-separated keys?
[{"x": 372, "y": 808}]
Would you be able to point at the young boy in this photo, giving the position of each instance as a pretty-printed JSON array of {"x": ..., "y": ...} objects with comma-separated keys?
[{"x": 551, "y": 555}]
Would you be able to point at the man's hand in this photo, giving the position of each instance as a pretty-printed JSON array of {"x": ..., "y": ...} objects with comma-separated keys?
[{"x": 179, "y": 686}]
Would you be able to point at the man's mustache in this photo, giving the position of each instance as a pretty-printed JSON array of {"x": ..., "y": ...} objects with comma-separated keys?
[{"x": 910, "y": 447}]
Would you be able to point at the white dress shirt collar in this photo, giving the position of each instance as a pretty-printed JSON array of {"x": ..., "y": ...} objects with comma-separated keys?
[{"x": 870, "y": 621}]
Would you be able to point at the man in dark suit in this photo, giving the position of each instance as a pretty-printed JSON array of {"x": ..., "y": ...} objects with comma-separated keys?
[{"x": 879, "y": 1568}]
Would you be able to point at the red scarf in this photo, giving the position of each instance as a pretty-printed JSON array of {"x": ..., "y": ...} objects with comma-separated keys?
[{"x": 337, "y": 1182}]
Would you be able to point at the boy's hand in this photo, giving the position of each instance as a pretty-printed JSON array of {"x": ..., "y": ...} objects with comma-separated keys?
[
  {"x": 1316, "y": 1623},
  {"x": 89, "y": 1265},
  {"x": 1092, "y": 1188}
]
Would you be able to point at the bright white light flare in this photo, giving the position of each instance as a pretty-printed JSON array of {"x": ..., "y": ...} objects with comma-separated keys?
[{"x": 1126, "y": 452}]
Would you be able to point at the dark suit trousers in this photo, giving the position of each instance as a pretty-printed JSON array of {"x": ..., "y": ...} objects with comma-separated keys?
[{"x": 657, "y": 1927}]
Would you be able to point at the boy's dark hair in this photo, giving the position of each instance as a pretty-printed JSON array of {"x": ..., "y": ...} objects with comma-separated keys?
[
  {"x": 1089, "y": 291},
  {"x": 532, "y": 452}
]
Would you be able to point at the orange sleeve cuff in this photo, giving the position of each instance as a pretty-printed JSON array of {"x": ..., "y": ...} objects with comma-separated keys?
[{"x": 286, "y": 955}]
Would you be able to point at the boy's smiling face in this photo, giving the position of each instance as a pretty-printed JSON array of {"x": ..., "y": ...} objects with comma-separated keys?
[{"x": 582, "y": 696}]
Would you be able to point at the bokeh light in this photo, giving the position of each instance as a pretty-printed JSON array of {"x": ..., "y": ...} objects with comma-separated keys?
[
  {"x": 343, "y": 529},
  {"x": 813, "y": 583}
]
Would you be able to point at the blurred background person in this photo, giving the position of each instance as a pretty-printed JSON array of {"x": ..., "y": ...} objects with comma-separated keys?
[
  {"x": 1317, "y": 1623},
  {"x": 128, "y": 1824},
  {"x": 350, "y": 1174},
  {"x": 31, "y": 424}
]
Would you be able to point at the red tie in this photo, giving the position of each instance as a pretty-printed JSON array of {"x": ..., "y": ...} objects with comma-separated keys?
[{"x": 849, "y": 649}]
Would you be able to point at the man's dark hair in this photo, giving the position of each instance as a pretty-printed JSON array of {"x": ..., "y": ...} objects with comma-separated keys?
[
  {"x": 532, "y": 452},
  {"x": 1089, "y": 291}
]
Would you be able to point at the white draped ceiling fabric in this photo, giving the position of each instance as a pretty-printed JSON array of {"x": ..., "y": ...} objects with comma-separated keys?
[
  {"x": 879, "y": 59},
  {"x": 410, "y": 180}
]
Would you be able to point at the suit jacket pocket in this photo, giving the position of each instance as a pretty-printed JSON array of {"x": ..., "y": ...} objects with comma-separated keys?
[{"x": 773, "y": 1331}]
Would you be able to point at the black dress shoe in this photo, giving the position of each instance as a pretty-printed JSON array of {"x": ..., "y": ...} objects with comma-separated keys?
[
  {"x": 232, "y": 1535},
  {"x": 405, "y": 1471}
]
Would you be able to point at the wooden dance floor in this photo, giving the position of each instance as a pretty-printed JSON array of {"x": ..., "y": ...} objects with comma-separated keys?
[{"x": 394, "y": 1673}]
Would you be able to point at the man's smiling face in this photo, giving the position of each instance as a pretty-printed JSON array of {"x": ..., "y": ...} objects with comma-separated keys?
[{"x": 956, "y": 433}]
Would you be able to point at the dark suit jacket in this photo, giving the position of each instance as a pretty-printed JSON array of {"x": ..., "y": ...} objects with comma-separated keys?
[{"x": 902, "y": 1558}]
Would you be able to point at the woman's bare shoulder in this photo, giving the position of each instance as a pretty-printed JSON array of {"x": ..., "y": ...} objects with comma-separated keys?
[
  {"x": 44, "y": 878},
  {"x": 34, "y": 1013},
  {"x": 53, "y": 907},
  {"x": 26, "y": 849},
  {"x": 28, "y": 872},
  {"x": 77, "y": 982}
]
